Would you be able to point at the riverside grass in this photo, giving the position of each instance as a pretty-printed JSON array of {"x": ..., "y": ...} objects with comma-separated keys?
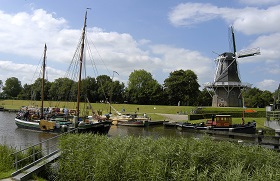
[
  {"x": 7, "y": 159},
  {"x": 94, "y": 157}
]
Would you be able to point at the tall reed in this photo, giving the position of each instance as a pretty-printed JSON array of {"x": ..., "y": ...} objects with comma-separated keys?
[
  {"x": 93, "y": 157},
  {"x": 6, "y": 158}
]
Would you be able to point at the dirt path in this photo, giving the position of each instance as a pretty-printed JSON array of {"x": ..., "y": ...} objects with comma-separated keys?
[{"x": 175, "y": 117}]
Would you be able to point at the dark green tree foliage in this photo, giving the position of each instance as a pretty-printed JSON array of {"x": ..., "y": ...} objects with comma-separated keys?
[
  {"x": 104, "y": 87},
  {"x": 89, "y": 89},
  {"x": 1, "y": 85},
  {"x": 117, "y": 92},
  {"x": 25, "y": 93},
  {"x": 204, "y": 98},
  {"x": 63, "y": 89},
  {"x": 255, "y": 97},
  {"x": 182, "y": 86},
  {"x": 12, "y": 87},
  {"x": 142, "y": 88},
  {"x": 266, "y": 98}
]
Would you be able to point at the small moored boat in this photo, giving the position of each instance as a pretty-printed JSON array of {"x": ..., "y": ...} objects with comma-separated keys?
[{"x": 220, "y": 123}]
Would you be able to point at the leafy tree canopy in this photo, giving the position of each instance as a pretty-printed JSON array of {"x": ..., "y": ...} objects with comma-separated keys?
[
  {"x": 12, "y": 87},
  {"x": 182, "y": 85}
]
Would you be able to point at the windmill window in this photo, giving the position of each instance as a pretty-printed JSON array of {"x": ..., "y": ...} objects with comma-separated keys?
[{"x": 222, "y": 100}]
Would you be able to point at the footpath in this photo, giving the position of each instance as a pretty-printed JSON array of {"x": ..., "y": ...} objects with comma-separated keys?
[{"x": 175, "y": 117}]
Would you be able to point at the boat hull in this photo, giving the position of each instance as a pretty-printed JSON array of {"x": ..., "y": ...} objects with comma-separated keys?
[
  {"x": 153, "y": 123},
  {"x": 34, "y": 125},
  {"x": 249, "y": 128},
  {"x": 169, "y": 124},
  {"x": 95, "y": 127},
  {"x": 134, "y": 123}
]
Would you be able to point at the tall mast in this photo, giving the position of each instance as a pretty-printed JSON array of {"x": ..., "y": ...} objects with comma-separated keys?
[
  {"x": 43, "y": 82},
  {"x": 81, "y": 65}
]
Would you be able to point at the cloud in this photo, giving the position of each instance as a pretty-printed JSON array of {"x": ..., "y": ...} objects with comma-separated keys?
[
  {"x": 187, "y": 14},
  {"x": 26, "y": 73},
  {"x": 23, "y": 37},
  {"x": 173, "y": 58},
  {"x": 249, "y": 20},
  {"x": 268, "y": 84}
]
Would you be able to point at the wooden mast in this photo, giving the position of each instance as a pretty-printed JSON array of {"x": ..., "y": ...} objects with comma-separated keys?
[
  {"x": 81, "y": 65},
  {"x": 43, "y": 82}
]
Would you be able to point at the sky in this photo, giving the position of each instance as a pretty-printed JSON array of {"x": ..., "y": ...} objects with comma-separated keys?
[{"x": 159, "y": 36}]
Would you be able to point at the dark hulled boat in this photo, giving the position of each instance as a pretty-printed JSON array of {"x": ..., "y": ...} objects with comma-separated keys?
[{"x": 220, "y": 123}]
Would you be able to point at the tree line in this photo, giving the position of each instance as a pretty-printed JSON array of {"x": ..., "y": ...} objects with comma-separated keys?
[{"x": 181, "y": 87}]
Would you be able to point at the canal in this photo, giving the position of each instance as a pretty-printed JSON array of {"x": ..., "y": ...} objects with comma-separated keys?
[{"x": 19, "y": 138}]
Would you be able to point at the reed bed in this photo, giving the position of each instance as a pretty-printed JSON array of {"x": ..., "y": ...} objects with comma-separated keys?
[
  {"x": 7, "y": 159},
  {"x": 93, "y": 157}
]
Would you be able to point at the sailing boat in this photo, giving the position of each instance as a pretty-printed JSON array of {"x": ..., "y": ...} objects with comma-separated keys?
[
  {"x": 33, "y": 118},
  {"x": 94, "y": 123}
]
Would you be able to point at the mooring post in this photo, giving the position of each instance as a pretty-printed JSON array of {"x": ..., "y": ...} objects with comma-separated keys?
[
  {"x": 260, "y": 136},
  {"x": 16, "y": 161},
  {"x": 231, "y": 135},
  {"x": 33, "y": 153},
  {"x": 47, "y": 145},
  {"x": 276, "y": 138}
]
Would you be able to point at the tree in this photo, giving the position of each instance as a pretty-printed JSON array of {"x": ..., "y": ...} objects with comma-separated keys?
[
  {"x": 266, "y": 98},
  {"x": 255, "y": 97},
  {"x": 182, "y": 86},
  {"x": 89, "y": 89},
  {"x": 63, "y": 89},
  {"x": 104, "y": 87},
  {"x": 25, "y": 93},
  {"x": 1, "y": 85},
  {"x": 204, "y": 98},
  {"x": 12, "y": 87},
  {"x": 142, "y": 88},
  {"x": 117, "y": 91}
]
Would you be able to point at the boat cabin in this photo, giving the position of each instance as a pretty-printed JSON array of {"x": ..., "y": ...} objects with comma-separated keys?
[{"x": 220, "y": 121}]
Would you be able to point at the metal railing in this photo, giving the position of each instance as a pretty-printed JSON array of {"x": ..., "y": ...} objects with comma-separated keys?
[
  {"x": 40, "y": 150},
  {"x": 272, "y": 115}
]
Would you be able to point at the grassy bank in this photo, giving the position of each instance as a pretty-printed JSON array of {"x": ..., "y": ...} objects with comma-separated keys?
[
  {"x": 92, "y": 157},
  {"x": 6, "y": 162},
  {"x": 7, "y": 159}
]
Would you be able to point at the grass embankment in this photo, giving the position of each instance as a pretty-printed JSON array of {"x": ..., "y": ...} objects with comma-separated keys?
[
  {"x": 92, "y": 157},
  {"x": 6, "y": 162},
  {"x": 7, "y": 159}
]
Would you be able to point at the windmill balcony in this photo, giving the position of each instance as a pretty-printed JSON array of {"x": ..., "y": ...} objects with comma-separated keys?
[{"x": 221, "y": 84}]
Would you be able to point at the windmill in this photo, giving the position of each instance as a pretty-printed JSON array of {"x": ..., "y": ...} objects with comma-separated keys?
[{"x": 227, "y": 86}]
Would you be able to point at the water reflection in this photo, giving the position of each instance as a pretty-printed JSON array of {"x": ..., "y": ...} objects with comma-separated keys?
[{"x": 16, "y": 137}]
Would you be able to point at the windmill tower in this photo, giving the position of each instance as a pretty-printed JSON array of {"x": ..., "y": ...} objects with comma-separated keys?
[{"x": 227, "y": 85}]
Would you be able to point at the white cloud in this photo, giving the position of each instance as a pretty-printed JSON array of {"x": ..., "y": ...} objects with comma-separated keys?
[
  {"x": 249, "y": 20},
  {"x": 112, "y": 51},
  {"x": 26, "y": 73},
  {"x": 268, "y": 84},
  {"x": 178, "y": 58},
  {"x": 187, "y": 14}
]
